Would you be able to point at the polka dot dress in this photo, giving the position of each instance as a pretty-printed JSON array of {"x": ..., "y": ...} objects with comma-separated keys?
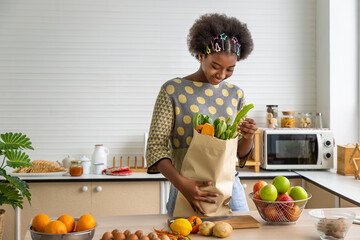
[{"x": 178, "y": 100}]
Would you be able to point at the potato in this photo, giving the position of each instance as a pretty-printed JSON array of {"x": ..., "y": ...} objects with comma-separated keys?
[
  {"x": 222, "y": 229},
  {"x": 206, "y": 228}
]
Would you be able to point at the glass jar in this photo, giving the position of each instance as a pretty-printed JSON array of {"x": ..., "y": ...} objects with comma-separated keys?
[
  {"x": 272, "y": 116},
  {"x": 288, "y": 120},
  {"x": 76, "y": 168},
  {"x": 305, "y": 120}
]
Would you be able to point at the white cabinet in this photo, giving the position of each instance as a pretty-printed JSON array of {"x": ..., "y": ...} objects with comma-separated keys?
[{"x": 77, "y": 198}]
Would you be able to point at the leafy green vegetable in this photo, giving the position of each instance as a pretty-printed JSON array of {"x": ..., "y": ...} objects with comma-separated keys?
[
  {"x": 223, "y": 130},
  {"x": 220, "y": 129},
  {"x": 240, "y": 116}
]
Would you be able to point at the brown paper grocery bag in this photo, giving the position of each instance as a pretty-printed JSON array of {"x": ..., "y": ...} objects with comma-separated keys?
[{"x": 209, "y": 159}]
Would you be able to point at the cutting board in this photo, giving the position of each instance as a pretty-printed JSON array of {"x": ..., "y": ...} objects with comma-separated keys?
[
  {"x": 243, "y": 221},
  {"x": 237, "y": 222}
]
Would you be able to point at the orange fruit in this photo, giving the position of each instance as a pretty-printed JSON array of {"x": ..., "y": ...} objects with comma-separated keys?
[
  {"x": 85, "y": 222},
  {"x": 40, "y": 221},
  {"x": 69, "y": 222},
  {"x": 56, "y": 227}
]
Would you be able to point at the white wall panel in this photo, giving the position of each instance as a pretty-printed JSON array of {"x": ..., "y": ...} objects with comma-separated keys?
[{"x": 77, "y": 73}]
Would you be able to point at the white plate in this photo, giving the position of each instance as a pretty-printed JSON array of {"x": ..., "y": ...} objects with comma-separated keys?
[{"x": 37, "y": 174}]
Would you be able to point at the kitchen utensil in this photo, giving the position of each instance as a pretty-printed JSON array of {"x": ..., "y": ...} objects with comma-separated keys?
[
  {"x": 83, "y": 235},
  {"x": 279, "y": 211},
  {"x": 332, "y": 223},
  {"x": 237, "y": 222}
]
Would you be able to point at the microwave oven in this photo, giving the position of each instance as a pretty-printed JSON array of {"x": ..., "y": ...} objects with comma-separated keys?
[{"x": 297, "y": 148}]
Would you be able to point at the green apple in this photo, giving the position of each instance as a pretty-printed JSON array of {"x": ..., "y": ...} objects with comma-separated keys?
[
  {"x": 288, "y": 191},
  {"x": 298, "y": 193},
  {"x": 281, "y": 183},
  {"x": 268, "y": 192}
]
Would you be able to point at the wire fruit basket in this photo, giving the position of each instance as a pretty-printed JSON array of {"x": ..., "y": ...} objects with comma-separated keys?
[{"x": 280, "y": 211}]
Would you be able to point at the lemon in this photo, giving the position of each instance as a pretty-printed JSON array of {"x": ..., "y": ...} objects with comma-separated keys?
[{"x": 181, "y": 226}]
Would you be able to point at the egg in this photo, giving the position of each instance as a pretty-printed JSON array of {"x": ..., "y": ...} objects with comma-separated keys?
[
  {"x": 119, "y": 236},
  {"x": 107, "y": 236},
  {"x": 139, "y": 233},
  {"x": 132, "y": 236},
  {"x": 144, "y": 238},
  {"x": 115, "y": 231}
]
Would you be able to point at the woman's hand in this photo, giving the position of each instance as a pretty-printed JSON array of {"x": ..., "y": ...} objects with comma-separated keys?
[
  {"x": 192, "y": 192},
  {"x": 247, "y": 128}
]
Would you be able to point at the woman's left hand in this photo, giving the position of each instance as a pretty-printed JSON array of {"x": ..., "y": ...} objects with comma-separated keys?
[{"x": 247, "y": 127}]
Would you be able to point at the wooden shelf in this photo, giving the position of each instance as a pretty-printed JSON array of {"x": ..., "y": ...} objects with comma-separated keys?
[{"x": 254, "y": 159}]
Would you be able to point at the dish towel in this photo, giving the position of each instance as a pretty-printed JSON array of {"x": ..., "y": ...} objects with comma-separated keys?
[{"x": 117, "y": 171}]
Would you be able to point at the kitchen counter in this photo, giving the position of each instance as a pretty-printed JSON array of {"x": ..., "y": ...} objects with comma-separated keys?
[
  {"x": 135, "y": 176},
  {"x": 244, "y": 173},
  {"x": 346, "y": 187},
  {"x": 302, "y": 229}
]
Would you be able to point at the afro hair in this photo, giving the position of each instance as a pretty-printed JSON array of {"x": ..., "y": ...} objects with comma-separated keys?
[{"x": 209, "y": 25}]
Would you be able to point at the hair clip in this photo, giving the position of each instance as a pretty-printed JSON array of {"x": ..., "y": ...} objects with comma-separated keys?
[{"x": 215, "y": 47}]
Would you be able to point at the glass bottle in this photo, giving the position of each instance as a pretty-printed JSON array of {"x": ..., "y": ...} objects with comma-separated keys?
[
  {"x": 288, "y": 120},
  {"x": 76, "y": 168},
  {"x": 305, "y": 121},
  {"x": 318, "y": 120},
  {"x": 272, "y": 116}
]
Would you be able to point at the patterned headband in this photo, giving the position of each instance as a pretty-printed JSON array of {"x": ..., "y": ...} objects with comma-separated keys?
[{"x": 214, "y": 46}]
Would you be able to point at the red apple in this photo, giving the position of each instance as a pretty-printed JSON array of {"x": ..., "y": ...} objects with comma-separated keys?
[
  {"x": 285, "y": 198},
  {"x": 259, "y": 184},
  {"x": 293, "y": 213},
  {"x": 273, "y": 213},
  {"x": 257, "y": 195},
  {"x": 260, "y": 204}
]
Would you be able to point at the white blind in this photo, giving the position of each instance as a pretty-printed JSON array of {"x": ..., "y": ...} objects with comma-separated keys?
[{"x": 78, "y": 73}]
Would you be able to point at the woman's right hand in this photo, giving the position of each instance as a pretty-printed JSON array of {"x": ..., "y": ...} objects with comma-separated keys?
[{"x": 191, "y": 189}]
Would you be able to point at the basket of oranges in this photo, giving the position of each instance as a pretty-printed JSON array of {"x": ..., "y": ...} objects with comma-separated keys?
[
  {"x": 65, "y": 227},
  {"x": 278, "y": 202}
]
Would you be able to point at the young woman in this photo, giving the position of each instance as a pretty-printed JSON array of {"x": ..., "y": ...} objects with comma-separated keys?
[{"x": 218, "y": 42}]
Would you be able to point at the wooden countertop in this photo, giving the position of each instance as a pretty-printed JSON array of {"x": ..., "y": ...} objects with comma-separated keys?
[{"x": 302, "y": 229}]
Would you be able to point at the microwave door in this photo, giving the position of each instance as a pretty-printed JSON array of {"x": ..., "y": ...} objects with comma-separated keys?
[{"x": 291, "y": 151}]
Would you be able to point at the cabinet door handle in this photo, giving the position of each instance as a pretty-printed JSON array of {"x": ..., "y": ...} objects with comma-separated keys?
[
  {"x": 98, "y": 188},
  {"x": 84, "y": 188}
]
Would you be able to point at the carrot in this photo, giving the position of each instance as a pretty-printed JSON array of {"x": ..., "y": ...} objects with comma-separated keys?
[
  {"x": 160, "y": 231},
  {"x": 207, "y": 129},
  {"x": 169, "y": 234}
]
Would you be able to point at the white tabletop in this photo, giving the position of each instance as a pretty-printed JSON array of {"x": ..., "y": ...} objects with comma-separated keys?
[{"x": 346, "y": 187}]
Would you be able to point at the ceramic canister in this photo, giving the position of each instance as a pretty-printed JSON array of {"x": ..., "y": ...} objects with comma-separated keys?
[
  {"x": 86, "y": 162},
  {"x": 100, "y": 155}
]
